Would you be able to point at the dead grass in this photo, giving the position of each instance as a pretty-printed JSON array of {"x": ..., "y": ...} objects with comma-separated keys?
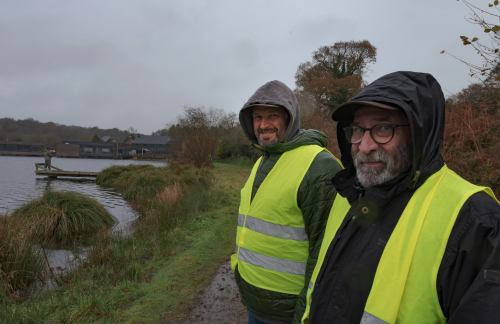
[
  {"x": 170, "y": 194},
  {"x": 20, "y": 262}
]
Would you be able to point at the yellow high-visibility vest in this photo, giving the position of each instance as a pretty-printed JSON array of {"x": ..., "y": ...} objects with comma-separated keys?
[
  {"x": 404, "y": 289},
  {"x": 272, "y": 246}
]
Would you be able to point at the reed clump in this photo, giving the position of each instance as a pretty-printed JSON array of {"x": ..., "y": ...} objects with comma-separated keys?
[
  {"x": 59, "y": 215},
  {"x": 20, "y": 262}
]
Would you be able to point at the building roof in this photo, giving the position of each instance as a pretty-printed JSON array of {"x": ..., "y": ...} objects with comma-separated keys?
[{"x": 147, "y": 139}]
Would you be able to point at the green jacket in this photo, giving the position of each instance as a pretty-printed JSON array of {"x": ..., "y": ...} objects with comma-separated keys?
[{"x": 315, "y": 198}]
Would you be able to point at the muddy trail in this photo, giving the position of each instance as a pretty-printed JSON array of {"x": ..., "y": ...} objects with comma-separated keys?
[{"x": 220, "y": 301}]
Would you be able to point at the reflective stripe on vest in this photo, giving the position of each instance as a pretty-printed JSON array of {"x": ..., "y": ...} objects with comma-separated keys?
[
  {"x": 272, "y": 246},
  {"x": 404, "y": 288}
]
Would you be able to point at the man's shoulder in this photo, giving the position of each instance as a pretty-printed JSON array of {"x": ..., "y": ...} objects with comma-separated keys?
[
  {"x": 325, "y": 159},
  {"x": 478, "y": 213},
  {"x": 323, "y": 167},
  {"x": 481, "y": 204}
]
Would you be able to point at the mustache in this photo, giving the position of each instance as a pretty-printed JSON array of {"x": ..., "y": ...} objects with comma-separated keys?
[
  {"x": 374, "y": 156},
  {"x": 268, "y": 129}
]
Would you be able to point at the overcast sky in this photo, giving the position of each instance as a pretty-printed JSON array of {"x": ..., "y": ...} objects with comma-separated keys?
[{"x": 121, "y": 63}]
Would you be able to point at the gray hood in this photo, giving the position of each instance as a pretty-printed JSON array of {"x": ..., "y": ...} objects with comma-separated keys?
[{"x": 272, "y": 93}]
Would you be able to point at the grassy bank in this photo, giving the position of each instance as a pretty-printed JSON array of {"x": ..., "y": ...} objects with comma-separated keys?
[{"x": 186, "y": 231}]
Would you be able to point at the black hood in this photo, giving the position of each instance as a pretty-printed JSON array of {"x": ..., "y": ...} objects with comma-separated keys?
[{"x": 421, "y": 98}]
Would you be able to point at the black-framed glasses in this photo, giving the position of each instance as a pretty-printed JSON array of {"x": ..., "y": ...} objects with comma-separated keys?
[{"x": 381, "y": 133}]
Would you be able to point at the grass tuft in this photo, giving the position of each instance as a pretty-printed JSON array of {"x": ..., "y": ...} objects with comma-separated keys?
[{"x": 59, "y": 215}]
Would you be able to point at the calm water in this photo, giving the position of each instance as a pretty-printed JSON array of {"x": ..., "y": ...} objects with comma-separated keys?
[{"x": 18, "y": 183}]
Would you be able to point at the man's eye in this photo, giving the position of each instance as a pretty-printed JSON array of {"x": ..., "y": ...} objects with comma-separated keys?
[{"x": 356, "y": 130}]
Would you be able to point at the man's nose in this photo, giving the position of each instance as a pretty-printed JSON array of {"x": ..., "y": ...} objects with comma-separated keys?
[
  {"x": 264, "y": 123},
  {"x": 367, "y": 143}
]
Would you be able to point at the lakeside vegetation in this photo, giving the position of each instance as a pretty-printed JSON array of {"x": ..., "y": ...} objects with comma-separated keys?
[{"x": 185, "y": 232}]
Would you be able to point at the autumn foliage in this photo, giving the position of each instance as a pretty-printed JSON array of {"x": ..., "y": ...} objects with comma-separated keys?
[
  {"x": 335, "y": 73},
  {"x": 471, "y": 141}
]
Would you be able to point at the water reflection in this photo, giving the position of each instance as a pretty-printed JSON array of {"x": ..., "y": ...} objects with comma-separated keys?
[{"x": 18, "y": 184}]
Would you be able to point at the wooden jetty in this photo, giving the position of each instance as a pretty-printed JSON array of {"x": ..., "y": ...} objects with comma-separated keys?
[{"x": 42, "y": 171}]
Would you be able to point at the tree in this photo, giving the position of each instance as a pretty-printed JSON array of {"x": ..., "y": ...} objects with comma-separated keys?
[
  {"x": 489, "y": 51},
  {"x": 131, "y": 132},
  {"x": 198, "y": 133},
  {"x": 335, "y": 74},
  {"x": 96, "y": 139}
]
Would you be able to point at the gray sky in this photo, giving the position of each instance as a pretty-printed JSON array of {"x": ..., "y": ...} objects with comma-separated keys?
[{"x": 121, "y": 63}]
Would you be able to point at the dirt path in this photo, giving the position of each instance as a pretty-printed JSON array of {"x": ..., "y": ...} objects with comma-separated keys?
[
  {"x": 244, "y": 175},
  {"x": 220, "y": 301}
]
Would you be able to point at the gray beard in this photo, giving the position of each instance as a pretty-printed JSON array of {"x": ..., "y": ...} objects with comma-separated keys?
[
  {"x": 395, "y": 164},
  {"x": 276, "y": 140},
  {"x": 272, "y": 142}
]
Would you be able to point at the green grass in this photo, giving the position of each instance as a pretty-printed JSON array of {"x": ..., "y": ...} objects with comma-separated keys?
[
  {"x": 155, "y": 272},
  {"x": 61, "y": 215}
]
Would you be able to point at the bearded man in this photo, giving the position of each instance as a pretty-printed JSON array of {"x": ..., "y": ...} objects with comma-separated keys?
[
  {"x": 418, "y": 244},
  {"x": 284, "y": 207}
]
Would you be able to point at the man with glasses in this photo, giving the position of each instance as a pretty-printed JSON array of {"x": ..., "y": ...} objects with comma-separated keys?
[{"x": 418, "y": 244}]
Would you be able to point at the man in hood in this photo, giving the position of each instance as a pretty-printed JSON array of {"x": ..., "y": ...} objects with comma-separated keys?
[
  {"x": 419, "y": 244},
  {"x": 284, "y": 207}
]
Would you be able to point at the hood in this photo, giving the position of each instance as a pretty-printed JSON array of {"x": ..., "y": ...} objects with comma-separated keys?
[
  {"x": 421, "y": 98},
  {"x": 272, "y": 93}
]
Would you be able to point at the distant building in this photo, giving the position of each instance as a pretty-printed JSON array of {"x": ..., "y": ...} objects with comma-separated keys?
[
  {"x": 124, "y": 149},
  {"x": 151, "y": 144},
  {"x": 129, "y": 140},
  {"x": 21, "y": 148},
  {"x": 87, "y": 149}
]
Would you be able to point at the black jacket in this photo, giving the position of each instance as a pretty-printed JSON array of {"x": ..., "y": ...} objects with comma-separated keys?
[{"x": 468, "y": 282}]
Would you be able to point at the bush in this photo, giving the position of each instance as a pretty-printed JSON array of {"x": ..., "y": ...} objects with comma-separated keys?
[
  {"x": 61, "y": 215},
  {"x": 222, "y": 149}
]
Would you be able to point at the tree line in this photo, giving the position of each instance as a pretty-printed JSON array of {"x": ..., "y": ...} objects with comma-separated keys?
[{"x": 30, "y": 130}]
